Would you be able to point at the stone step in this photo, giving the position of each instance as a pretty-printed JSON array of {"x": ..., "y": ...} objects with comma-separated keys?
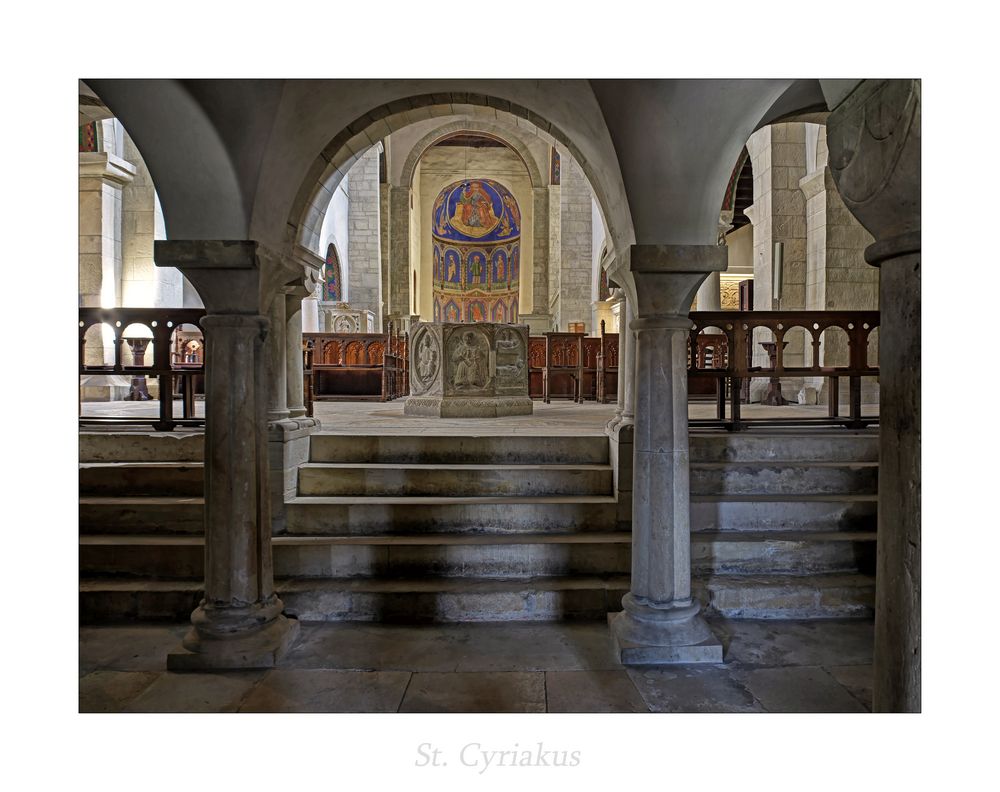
[
  {"x": 119, "y": 446},
  {"x": 363, "y": 516},
  {"x": 483, "y": 555},
  {"x": 782, "y": 552},
  {"x": 806, "y": 478},
  {"x": 460, "y": 449},
  {"x": 142, "y": 478},
  {"x": 478, "y": 556},
  {"x": 834, "y": 445},
  {"x": 787, "y": 597},
  {"x": 142, "y": 515},
  {"x": 328, "y": 478},
  {"x": 783, "y": 512},
  {"x": 470, "y": 599}
]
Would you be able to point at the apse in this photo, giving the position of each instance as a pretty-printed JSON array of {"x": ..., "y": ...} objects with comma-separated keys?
[{"x": 476, "y": 252}]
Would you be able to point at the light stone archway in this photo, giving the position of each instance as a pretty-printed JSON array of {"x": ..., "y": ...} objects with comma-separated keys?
[
  {"x": 498, "y": 131},
  {"x": 336, "y": 159}
]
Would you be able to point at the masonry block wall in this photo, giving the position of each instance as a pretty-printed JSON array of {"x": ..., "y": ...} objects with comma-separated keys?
[{"x": 364, "y": 246}]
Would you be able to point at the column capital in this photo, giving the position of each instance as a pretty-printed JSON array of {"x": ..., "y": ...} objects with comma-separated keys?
[
  {"x": 874, "y": 142},
  {"x": 668, "y": 276},
  {"x": 226, "y": 273},
  {"x": 107, "y": 167}
]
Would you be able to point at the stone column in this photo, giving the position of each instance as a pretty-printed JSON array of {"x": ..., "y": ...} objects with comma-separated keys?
[
  {"x": 874, "y": 142},
  {"x": 239, "y": 623},
  {"x": 661, "y": 622},
  {"x": 618, "y": 298},
  {"x": 293, "y": 356},
  {"x": 628, "y": 362},
  {"x": 274, "y": 349}
]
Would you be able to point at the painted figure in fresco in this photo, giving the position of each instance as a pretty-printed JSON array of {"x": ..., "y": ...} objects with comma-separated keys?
[
  {"x": 476, "y": 312},
  {"x": 470, "y": 360},
  {"x": 500, "y": 270},
  {"x": 474, "y": 210},
  {"x": 451, "y": 312},
  {"x": 452, "y": 268},
  {"x": 476, "y": 267}
]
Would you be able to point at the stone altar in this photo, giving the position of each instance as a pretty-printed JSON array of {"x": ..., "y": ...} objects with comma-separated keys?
[{"x": 475, "y": 370}]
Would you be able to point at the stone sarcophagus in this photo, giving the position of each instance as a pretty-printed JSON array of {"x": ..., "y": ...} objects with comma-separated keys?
[{"x": 475, "y": 370}]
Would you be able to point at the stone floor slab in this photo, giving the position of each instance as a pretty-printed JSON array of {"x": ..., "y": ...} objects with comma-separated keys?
[
  {"x": 693, "y": 689},
  {"x": 591, "y": 691},
  {"x": 454, "y": 647},
  {"x": 111, "y": 691},
  {"x": 215, "y": 692},
  {"x": 323, "y": 690},
  {"x": 857, "y": 679},
  {"x": 777, "y": 642},
  {"x": 475, "y": 692},
  {"x": 129, "y": 647},
  {"x": 799, "y": 689}
]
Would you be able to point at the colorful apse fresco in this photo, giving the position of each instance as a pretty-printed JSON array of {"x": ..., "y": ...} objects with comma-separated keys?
[{"x": 477, "y": 252}]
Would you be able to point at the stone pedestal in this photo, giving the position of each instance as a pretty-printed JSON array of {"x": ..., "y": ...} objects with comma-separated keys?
[
  {"x": 538, "y": 323},
  {"x": 661, "y": 622},
  {"x": 468, "y": 370}
]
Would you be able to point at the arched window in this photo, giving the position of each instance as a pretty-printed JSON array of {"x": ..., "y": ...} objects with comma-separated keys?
[{"x": 333, "y": 284}]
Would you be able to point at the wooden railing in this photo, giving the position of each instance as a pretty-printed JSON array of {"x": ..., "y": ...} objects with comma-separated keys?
[
  {"x": 727, "y": 356},
  {"x": 166, "y": 364},
  {"x": 354, "y": 367}
]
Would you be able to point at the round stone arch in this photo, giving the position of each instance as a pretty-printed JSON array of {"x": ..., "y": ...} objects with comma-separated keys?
[
  {"x": 332, "y": 164},
  {"x": 496, "y": 131}
]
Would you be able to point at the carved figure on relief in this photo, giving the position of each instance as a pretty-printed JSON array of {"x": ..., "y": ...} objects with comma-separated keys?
[
  {"x": 470, "y": 360},
  {"x": 427, "y": 361}
]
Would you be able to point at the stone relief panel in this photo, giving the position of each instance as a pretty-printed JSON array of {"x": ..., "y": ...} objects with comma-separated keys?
[
  {"x": 468, "y": 357},
  {"x": 427, "y": 360},
  {"x": 511, "y": 359}
]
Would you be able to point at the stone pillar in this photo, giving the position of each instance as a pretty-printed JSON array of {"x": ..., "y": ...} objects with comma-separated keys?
[
  {"x": 293, "y": 356},
  {"x": 661, "y": 622},
  {"x": 618, "y": 299},
  {"x": 239, "y": 623},
  {"x": 540, "y": 258},
  {"x": 399, "y": 253},
  {"x": 364, "y": 265},
  {"x": 575, "y": 265},
  {"x": 102, "y": 177},
  {"x": 274, "y": 356},
  {"x": 628, "y": 362},
  {"x": 709, "y": 295},
  {"x": 874, "y": 142}
]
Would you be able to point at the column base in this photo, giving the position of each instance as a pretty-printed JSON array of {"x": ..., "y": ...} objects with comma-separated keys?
[
  {"x": 262, "y": 648},
  {"x": 646, "y": 635}
]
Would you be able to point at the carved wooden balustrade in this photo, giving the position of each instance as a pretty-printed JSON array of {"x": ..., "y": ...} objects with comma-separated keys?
[
  {"x": 174, "y": 359},
  {"x": 354, "y": 367},
  {"x": 728, "y": 357}
]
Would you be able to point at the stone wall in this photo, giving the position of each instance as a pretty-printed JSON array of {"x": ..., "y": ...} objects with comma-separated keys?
[
  {"x": 364, "y": 267},
  {"x": 576, "y": 248}
]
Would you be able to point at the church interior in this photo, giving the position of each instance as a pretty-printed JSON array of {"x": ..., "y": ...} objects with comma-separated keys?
[{"x": 460, "y": 396}]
